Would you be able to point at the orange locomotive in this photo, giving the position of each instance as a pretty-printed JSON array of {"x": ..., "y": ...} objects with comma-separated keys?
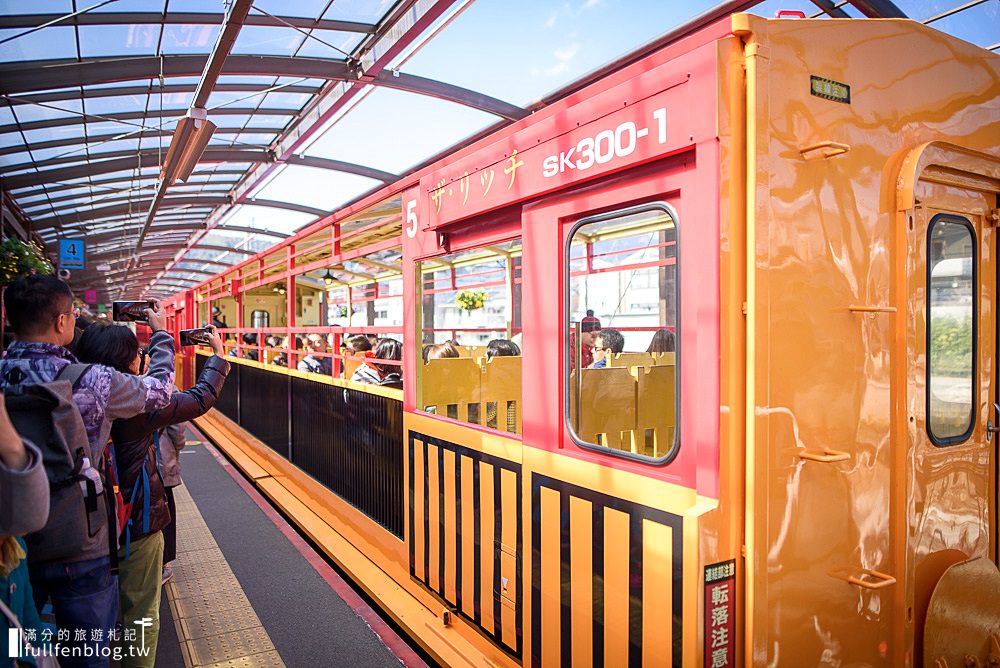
[{"x": 772, "y": 442}]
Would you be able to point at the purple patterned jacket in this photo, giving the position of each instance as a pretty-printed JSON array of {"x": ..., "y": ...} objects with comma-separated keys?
[{"x": 103, "y": 394}]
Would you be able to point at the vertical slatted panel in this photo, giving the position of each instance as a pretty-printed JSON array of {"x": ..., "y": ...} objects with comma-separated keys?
[
  {"x": 264, "y": 407},
  {"x": 605, "y": 579},
  {"x": 350, "y": 441},
  {"x": 465, "y": 534}
]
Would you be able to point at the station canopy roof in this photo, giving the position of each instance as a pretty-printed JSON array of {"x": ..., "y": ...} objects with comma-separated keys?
[{"x": 316, "y": 103}]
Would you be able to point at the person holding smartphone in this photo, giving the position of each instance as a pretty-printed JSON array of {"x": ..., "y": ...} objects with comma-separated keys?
[{"x": 139, "y": 449}]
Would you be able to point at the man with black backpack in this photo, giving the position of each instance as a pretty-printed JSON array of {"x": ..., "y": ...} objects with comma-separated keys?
[{"x": 66, "y": 409}]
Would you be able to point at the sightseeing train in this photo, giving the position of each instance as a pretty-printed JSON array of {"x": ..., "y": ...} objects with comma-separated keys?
[{"x": 804, "y": 473}]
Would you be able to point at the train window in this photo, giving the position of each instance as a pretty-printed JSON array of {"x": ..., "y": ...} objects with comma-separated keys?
[
  {"x": 621, "y": 343},
  {"x": 470, "y": 315},
  {"x": 951, "y": 338}
]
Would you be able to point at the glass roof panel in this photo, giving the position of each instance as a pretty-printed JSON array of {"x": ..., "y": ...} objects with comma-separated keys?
[
  {"x": 217, "y": 6},
  {"x": 280, "y": 100},
  {"x": 105, "y": 106},
  {"x": 188, "y": 38},
  {"x": 979, "y": 24},
  {"x": 245, "y": 139},
  {"x": 301, "y": 8},
  {"x": 268, "y": 41},
  {"x": 36, "y": 156},
  {"x": 393, "y": 130},
  {"x": 37, "y": 6},
  {"x": 343, "y": 41},
  {"x": 232, "y": 99},
  {"x": 6, "y": 116},
  {"x": 119, "y": 84},
  {"x": 363, "y": 11},
  {"x": 27, "y": 113},
  {"x": 319, "y": 188},
  {"x": 50, "y": 134},
  {"x": 266, "y": 121},
  {"x": 266, "y": 218},
  {"x": 49, "y": 44},
  {"x": 119, "y": 40},
  {"x": 556, "y": 43},
  {"x": 231, "y": 120}
]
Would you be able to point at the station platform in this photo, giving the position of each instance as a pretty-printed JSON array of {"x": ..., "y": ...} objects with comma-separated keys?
[{"x": 249, "y": 591}]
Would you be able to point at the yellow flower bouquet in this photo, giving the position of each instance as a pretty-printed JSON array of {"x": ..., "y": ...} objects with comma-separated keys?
[{"x": 470, "y": 300}]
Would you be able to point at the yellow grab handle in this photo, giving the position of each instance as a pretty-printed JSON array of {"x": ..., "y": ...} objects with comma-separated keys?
[
  {"x": 882, "y": 580},
  {"x": 854, "y": 308},
  {"x": 825, "y": 456},
  {"x": 828, "y": 148}
]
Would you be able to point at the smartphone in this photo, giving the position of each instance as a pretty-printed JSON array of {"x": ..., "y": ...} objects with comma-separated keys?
[
  {"x": 130, "y": 311},
  {"x": 195, "y": 337}
]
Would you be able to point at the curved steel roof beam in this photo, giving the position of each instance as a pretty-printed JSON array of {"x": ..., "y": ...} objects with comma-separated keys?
[
  {"x": 341, "y": 166},
  {"x": 104, "y": 196},
  {"x": 168, "y": 203},
  {"x": 77, "y": 119},
  {"x": 22, "y": 77},
  {"x": 139, "y": 134},
  {"x": 150, "y": 158},
  {"x": 157, "y": 230},
  {"x": 831, "y": 9},
  {"x": 107, "y": 155},
  {"x": 182, "y": 18},
  {"x": 122, "y": 164},
  {"x": 118, "y": 91},
  {"x": 223, "y": 249},
  {"x": 100, "y": 183}
]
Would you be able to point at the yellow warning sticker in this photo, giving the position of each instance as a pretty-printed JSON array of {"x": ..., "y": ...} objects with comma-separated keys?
[{"x": 829, "y": 89}]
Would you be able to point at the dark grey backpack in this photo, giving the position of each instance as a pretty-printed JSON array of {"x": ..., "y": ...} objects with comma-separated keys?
[{"x": 46, "y": 414}]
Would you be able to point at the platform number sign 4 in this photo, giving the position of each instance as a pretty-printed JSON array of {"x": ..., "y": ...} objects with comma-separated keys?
[{"x": 71, "y": 253}]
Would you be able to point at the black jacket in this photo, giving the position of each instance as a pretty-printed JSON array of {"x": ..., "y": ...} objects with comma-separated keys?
[{"x": 135, "y": 447}]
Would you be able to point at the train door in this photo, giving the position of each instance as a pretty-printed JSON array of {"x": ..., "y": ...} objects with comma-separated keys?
[
  {"x": 621, "y": 423},
  {"x": 949, "y": 197}
]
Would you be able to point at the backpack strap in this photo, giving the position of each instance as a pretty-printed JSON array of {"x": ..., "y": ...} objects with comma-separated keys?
[
  {"x": 159, "y": 458},
  {"x": 73, "y": 373},
  {"x": 145, "y": 499},
  {"x": 111, "y": 502}
]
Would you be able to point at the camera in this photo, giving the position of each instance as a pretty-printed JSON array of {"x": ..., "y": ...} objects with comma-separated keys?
[
  {"x": 134, "y": 311},
  {"x": 195, "y": 337}
]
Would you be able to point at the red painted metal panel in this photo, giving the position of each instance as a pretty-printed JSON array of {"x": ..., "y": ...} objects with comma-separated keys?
[{"x": 665, "y": 110}]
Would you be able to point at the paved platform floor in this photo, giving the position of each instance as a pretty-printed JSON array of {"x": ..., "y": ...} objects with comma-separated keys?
[{"x": 248, "y": 591}]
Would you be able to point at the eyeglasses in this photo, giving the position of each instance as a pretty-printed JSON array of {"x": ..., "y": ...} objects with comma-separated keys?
[{"x": 598, "y": 348}]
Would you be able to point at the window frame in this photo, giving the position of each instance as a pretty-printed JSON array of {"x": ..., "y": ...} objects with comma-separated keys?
[
  {"x": 973, "y": 415},
  {"x": 671, "y": 454}
]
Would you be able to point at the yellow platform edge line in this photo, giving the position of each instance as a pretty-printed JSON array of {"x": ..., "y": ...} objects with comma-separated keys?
[
  {"x": 446, "y": 645},
  {"x": 172, "y": 591}
]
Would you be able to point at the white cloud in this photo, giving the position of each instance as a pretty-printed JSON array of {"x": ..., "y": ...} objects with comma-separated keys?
[{"x": 564, "y": 57}]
